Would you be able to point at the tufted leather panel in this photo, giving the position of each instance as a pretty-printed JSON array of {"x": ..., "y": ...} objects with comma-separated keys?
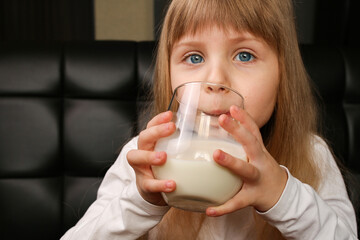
[
  {"x": 330, "y": 86},
  {"x": 66, "y": 110},
  {"x": 30, "y": 145},
  {"x": 147, "y": 53},
  {"x": 336, "y": 76},
  {"x": 352, "y": 109},
  {"x": 106, "y": 71},
  {"x": 37, "y": 69}
]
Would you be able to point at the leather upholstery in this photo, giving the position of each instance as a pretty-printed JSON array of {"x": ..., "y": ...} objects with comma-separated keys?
[{"x": 66, "y": 110}]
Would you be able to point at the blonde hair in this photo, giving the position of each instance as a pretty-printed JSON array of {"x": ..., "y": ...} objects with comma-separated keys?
[{"x": 288, "y": 133}]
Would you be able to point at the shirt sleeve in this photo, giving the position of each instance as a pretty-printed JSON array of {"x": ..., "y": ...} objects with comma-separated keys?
[
  {"x": 303, "y": 213},
  {"x": 119, "y": 211}
]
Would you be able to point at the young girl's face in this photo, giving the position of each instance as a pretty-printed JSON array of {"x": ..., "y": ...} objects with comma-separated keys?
[{"x": 238, "y": 60}]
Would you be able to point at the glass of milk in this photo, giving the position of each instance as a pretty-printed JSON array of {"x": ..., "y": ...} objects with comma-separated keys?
[{"x": 200, "y": 181}]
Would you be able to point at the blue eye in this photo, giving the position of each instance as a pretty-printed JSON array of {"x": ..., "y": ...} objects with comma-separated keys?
[
  {"x": 195, "y": 59},
  {"x": 244, "y": 57}
]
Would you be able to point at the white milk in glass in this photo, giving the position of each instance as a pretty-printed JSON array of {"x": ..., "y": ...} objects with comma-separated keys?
[{"x": 200, "y": 182}]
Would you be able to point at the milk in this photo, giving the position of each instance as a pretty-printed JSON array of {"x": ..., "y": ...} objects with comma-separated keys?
[{"x": 200, "y": 182}]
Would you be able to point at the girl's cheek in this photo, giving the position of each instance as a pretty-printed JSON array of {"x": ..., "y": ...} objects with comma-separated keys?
[{"x": 260, "y": 113}]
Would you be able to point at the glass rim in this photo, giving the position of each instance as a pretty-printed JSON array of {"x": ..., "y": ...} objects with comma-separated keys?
[{"x": 206, "y": 83}]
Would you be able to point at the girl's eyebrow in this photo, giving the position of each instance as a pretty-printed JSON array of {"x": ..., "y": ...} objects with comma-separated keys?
[
  {"x": 189, "y": 43},
  {"x": 244, "y": 37}
]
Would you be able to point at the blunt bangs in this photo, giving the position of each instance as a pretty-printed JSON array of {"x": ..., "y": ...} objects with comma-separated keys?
[{"x": 189, "y": 16}]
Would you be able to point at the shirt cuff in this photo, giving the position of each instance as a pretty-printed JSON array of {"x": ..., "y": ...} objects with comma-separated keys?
[{"x": 283, "y": 204}]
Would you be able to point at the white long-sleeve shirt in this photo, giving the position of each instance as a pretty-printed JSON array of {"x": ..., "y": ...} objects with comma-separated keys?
[{"x": 301, "y": 213}]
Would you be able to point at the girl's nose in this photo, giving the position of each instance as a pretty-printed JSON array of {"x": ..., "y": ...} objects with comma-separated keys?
[
  {"x": 218, "y": 74},
  {"x": 214, "y": 88}
]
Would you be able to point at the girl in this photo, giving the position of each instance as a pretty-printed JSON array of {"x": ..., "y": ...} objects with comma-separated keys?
[{"x": 292, "y": 186}]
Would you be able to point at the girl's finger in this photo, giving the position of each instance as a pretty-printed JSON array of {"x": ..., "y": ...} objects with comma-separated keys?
[
  {"x": 241, "y": 134},
  {"x": 163, "y": 117},
  {"x": 150, "y": 185},
  {"x": 239, "y": 201},
  {"x": 246, "y": 171},
  {"x": 245, "y": 119},
  {"x": 142, "y": 158},
  {"x": 149, "y": 137}
]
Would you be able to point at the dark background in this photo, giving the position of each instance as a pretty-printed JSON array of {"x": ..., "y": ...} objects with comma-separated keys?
[
  {"x": 52, "y": 176},
  {"x": 319, "y": 21}
]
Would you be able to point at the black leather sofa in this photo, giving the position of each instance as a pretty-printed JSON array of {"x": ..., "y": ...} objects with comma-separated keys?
[{"x": 67, "y": 108}]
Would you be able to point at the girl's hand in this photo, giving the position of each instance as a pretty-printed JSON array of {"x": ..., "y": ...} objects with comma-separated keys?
[
  {"x": 142, "y": 158},
  {"x": 263, "y": 179}
]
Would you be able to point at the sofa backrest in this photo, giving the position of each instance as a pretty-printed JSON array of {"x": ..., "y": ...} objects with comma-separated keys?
[
  {"x": 67, "y": 109},
  {"x": 335, "y": 74}
]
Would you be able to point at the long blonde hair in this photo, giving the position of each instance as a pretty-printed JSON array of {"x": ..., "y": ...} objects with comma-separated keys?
[{"x": 287, "y": 135}]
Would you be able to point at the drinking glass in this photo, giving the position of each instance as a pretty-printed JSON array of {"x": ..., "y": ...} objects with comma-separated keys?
[{"x": 200, "y": 181}]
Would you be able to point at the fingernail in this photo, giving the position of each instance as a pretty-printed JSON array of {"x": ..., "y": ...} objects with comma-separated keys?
[
  {"x": 225, "y": 118},
  {"x": 167, "y": 126},
  {"x": 158, "y": 157},
  {"x": 221, "y": 155},
  {"x": 236, "y": 108},
  {"x": 165, "y": 115},
  {"x": 211, "y": 212},
  {"x": 169, "y": 185}
]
